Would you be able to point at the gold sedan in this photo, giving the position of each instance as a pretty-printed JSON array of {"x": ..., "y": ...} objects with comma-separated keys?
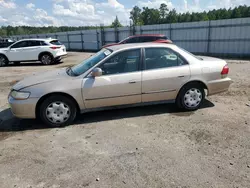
[{"x": 120, "y": 76}]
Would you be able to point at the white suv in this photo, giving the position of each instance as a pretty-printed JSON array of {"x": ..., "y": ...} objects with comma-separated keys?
[{"x": 45, "y": 50}]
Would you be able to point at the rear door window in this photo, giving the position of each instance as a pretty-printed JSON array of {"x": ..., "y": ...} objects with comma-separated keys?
[
  {"x": 156, "y": 58},
  {"x": 34, "y": 43},
  {"x": 55, "y": 42}
]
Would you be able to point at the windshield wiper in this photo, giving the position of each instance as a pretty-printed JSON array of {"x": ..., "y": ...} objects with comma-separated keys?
[{"x": 70, "y": 72}]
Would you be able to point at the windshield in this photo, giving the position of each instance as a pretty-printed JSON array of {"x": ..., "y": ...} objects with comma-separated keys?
[
  {"x": 90, "y": 62},
  {"x": 122, "y": 41}
]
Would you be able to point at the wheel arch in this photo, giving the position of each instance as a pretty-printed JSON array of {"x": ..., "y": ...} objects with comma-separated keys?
[
  {"x": 4, "y": 56},
  {"x": 45, "y": 52},
  {"x": 41, "y": 100},
  {"x": 199, "y": 82}
]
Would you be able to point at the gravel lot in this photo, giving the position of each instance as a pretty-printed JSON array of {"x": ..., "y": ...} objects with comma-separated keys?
[{"x": 153, "y": 146}]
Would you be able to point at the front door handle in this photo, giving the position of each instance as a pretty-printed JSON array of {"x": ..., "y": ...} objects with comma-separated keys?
[{"x": 132, "y": 82}]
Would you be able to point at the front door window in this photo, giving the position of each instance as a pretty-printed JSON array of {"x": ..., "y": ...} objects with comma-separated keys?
[{"x": 124, "y": 62}]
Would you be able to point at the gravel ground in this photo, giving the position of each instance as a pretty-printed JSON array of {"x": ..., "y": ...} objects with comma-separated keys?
[{"x": 153, "y": 146}]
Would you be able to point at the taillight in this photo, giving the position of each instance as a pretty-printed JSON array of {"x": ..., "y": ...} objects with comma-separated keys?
[
  {"x": 55, "y": 47},
  {"x": 225, "y": 70}
]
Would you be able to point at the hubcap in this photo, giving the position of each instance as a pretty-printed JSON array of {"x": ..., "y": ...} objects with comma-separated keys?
[
  {"x": 58, "y": 112},
  {"x": 46, "y": 59},
  {"x": 192, "y": 98}
]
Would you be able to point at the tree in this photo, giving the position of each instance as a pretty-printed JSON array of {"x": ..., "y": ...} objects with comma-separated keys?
[
  {"x": 236, "y": 13},
  {"x": 116, "y": 23},
  {"x": 150, "y": 16},
  {"x": 163, "y": 12},
  {"x": 172, "y": 16},
  {"x": 203, "y": 16},
  {"x": 135, "y": 15},
  {"x": 195, "y": 17},
  {"x": 224, "y": 14}
]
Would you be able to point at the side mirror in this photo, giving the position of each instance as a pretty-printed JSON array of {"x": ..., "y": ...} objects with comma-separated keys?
[{"x": 96, "y": 72}]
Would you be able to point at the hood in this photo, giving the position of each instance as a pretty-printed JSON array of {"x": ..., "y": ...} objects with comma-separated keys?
[
  {"x": 42, "y": 77},
  {"x": 4, "y": 49}
]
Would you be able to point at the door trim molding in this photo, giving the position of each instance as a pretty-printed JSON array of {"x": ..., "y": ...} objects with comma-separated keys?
[
  {"x": 150, "y": 92},
  {"x": 111, "y": 97},
  {"x": 160, "y": 91}
]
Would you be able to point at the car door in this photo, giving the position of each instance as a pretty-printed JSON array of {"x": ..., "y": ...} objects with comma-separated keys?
[
  {"x": 32, "y": 50},
  {"x": 120, "y": 83},
  {"x": 165, "y": 71},
  {"x": 15, "y": 53}
]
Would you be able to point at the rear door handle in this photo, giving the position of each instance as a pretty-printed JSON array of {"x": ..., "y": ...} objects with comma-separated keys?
[{"x": 181, "y": 76}]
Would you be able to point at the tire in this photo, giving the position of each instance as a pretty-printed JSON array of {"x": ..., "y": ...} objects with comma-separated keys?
[
  {"x": 3, "y": 61},
  {"x": 58, "y": 111},
  {"x": 46, "y": 59},
  {"x": 190, "y": 97}
]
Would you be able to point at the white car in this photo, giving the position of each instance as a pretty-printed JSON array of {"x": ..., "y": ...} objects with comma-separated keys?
[{"x": 45, "y": 50}]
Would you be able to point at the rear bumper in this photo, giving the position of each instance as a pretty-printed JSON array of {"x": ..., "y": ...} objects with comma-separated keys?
[
  {"x": 60, "y": 55},
  {"x": 218, "y": 86},
  {"x": 23, "y": 108}
]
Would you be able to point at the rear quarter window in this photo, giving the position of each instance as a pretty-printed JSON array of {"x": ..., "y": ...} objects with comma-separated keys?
[
  {"x": 55, "y": 42},
  {"x": 42, "y": 43}
]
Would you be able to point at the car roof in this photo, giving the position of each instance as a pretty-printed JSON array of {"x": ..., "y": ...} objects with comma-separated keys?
[
  {"x": 39, "y": 39},
  {"x": 149, "y": 35},
  {"x": 138, "y": 45}
]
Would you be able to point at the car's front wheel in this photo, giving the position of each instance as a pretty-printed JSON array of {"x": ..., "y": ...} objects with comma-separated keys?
[
  {"x": 3, "y": 61},
  {"x": 58, "y": 111},
  {"x": 46, "y": 59},
  {"x": 191, "y": 97}
]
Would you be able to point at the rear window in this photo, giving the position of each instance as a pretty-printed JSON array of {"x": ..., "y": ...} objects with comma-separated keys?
[
  {"x": 55, "y": 42},
  {"x": 152, "y": 38},
  {"x": 161, "y": 38}
]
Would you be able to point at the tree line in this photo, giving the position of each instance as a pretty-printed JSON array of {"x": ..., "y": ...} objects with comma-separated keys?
[
  {"x": 27, "y": 30},
  {"x": 138, "y": 16},
  {"x": 150, "y": 16}
]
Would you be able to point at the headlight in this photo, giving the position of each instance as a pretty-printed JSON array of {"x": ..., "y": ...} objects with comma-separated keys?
[{"x": 20, "y": 95}]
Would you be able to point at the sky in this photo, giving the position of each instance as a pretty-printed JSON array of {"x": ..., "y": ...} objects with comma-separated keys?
[{"x": 92, "y": 12}]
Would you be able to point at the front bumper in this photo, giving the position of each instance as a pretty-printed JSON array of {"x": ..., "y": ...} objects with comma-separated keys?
[
  {"x": 23, "y": 108},
  {"x": 218, "y": 86}
]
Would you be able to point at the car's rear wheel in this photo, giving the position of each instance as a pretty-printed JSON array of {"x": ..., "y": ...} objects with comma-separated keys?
[
  {"x": 191, "y": 97},
  {"x": 3, "y": 61},
  {"x": 58, "y": 111},
  {"x": 46, "y": 59}
]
